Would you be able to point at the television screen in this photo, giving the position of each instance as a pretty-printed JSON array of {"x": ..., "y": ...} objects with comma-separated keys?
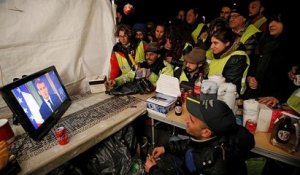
[{"x": 38, "y": 101}]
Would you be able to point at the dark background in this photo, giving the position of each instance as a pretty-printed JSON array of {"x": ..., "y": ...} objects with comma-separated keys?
[{"x": 165, "y": 10}]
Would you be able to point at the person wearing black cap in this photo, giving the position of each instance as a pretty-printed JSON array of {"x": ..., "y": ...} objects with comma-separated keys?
[
  {"x": 240, "y": 25},
  {"x": 218, "y": 145},
  {"x": 194, "y": 63}
]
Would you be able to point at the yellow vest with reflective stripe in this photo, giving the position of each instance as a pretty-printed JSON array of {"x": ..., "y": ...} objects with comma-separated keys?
[
  {"x": 209, "y": 55},
  {"x": 185, "y": 46},
  {"x": 127, "y": 73},
  {"x": 197, "y": 31},
  {"x": 183, "y": 77},
  {"x": 259, "y": 22},
  {"x": 217, "y": 66},
  {"x": 167, "y": 70},
  {"x": 140, "y": 53},
  {"x": 251, "y": 30}
]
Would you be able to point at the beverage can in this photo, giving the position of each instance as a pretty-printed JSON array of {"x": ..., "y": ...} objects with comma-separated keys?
[{"x": 61, "y": 135}]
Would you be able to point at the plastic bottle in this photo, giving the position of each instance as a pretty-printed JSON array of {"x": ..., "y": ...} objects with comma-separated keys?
[
  {"x": 284, "y": 131},
  {"x": 178, "y": 106},
  {"x": 197, "y": 85}
]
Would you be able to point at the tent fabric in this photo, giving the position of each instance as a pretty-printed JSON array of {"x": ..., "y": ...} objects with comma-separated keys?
[{"x": 74, "y": 36}]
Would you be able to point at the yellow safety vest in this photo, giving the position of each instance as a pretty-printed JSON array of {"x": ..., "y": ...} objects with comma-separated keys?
[
  {"x": 183, "y": 77},
  {"x": 197, "y": 31},
  {"x": 260, "y": 22},
  {"x": 251, "y": 30},
  {"x": 217, "y": 65},
  {"x": 167, "y": 70},
  {"x": 127, "y": 72},
  {"x": 140, "y": 53},
  {"x": 209, "y": 55}
]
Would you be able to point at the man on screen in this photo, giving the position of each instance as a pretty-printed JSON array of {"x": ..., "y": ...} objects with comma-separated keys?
[{"x": 50, "y": 101}]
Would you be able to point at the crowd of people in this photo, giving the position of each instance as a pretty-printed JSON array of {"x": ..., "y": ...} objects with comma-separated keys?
[{"x": 245, "y": 45}]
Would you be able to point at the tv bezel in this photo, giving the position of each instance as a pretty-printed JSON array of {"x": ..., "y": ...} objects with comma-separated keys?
[{"x": 18, "y": 112}]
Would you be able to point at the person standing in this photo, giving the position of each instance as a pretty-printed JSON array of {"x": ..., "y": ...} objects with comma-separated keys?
[
  {"x": 256, "y": 10},
  {"x": 229, "y": 58}
]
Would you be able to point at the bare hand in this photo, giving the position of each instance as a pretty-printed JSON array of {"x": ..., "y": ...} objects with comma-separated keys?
[
  {"x": 4, "y": 154},
  {"x": 252, "y": 82},
  {"x": 110, "y": 84},
  {"x": 150, "y": 161},
  {"x": 157, "y": 151},
  {"x": 269, "y": 101}
]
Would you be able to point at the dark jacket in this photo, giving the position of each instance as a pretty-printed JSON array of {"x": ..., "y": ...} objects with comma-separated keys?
[
  {"x": 45, "y": 110},
  {"x": 235, "y": 66},
  {"x": 221, "y": 155},
  {"x": 274, "y": 62}
]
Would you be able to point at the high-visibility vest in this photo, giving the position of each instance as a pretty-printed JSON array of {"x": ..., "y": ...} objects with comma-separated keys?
[
  {"x": 260, "y": 22},
  {"x": 251, "y": 30},
  {"x": 167, "y": 70},
  {"x": 140, "y": 53},
  {"x": 127, "y": 73},
  {"x": 197, "y": 31},
  {"x": 217, "y": 65},
  {"x": 209, "y": 55}
]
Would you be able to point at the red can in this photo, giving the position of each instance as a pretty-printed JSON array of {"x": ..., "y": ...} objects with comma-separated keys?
[
  {"x": 61, "y": 135},
  {"x": 251, "y": 125}
]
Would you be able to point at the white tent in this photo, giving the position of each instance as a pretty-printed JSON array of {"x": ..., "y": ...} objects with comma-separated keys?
[{"x": 76, "y": 36}]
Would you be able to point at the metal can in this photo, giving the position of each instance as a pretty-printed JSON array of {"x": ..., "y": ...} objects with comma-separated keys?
[
  {"x": 61, "y": 135},
  {"x": 251, "y": 125}
]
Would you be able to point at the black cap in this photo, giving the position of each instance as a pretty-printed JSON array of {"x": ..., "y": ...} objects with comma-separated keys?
[
  {"x": 215, "y": 113},
  {"x": 240, "y": 8}
]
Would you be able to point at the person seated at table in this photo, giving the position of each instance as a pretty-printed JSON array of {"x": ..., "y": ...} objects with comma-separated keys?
[
  {"x": 194, "y": 63},
  {"x": 124, "y": 58},
  {"x": 4, "y": 154},
  {"x": 155, "y": 63},
  {"x": 218, "y": 145}
]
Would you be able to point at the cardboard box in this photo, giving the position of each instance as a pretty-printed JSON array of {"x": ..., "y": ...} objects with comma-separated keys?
[
  {"x": 161, "y": 103},
  {"x": 167, "y": 92},
  {"x": 267, "y": 118},
  {"x": 97, "y": 83}
]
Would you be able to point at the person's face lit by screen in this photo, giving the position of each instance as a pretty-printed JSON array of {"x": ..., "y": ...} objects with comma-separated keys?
[{"x": 43, "y": 90}]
